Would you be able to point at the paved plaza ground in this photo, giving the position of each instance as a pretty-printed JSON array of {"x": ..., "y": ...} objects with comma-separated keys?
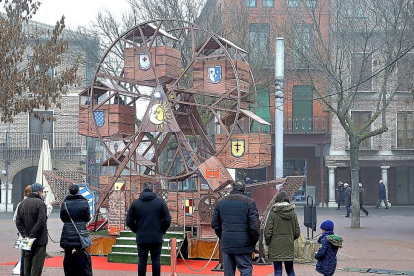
[{"x": 384, "y": 241}]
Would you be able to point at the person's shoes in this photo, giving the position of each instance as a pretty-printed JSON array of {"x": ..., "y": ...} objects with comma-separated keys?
[
  {"x": 48, "y": 256},
  {"x": 347, "y": 216},
  {"x": 376, "y": 207},
  {"x": 338, "y": 209},
  {"x": 387, "y": 208},
  {"x": 367, "y": 213}
]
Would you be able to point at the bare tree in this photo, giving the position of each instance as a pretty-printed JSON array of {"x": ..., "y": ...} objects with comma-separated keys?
[
  {"x": 344, "y": 49},
  {"x": 35, "y": 70}
]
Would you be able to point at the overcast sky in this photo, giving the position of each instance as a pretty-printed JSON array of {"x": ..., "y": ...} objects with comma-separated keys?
[{"x": 76, "y": 12}]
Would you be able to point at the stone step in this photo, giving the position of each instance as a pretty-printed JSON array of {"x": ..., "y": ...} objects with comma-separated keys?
[{"x": 133, "y": 249}]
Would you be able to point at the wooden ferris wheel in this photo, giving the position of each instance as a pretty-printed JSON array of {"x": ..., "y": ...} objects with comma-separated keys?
[{"x": 172, "y": 94}]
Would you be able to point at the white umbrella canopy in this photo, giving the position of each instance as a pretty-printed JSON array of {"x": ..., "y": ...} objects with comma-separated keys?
[{"x": 45, "y": 164}]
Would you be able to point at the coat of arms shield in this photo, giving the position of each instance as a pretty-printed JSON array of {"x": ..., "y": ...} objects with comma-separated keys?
[
  {"x": 144, "y": 62},
  {"x": 188, "y": 205},
  {"x": 99, "y": 117},
  {"x": 237, "y": 147},
  {"x": 214, "y": 74}
]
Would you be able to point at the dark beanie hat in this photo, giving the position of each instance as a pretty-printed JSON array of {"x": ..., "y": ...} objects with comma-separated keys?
[
  {"x": 36, "y": 187},
  {"x": 327, "y": 225}
]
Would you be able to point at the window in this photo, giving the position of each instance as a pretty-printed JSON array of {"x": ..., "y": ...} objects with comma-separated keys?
[
  {"x": 311, "y": 3},
  {"x": 405, "y": 129},
  {"x": 259, "y": 39},
  {"x": 263, "y": 108},
  {"x": 38, "y": 129},
  {"x": 361, "y": 118},
  {"x": 352, "y": 9},
  {"x": 251, "y": 3},
  {"x": 405, "y": 73},
  {"x": 293, "y": 3},
  {"x": 302, "y": 109},
  {"x": 268, "y": 3},
  {"x": 361, "y": 67},
  {"x": 302, "y": 45}
]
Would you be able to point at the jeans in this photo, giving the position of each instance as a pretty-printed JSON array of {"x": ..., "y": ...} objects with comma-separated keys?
[
  {"x": 155, "y": 250},
  {"x": 34, "y": 260},
  {"x": 243, "y": 263},
  {"x": 288, "y": 267},
  {"x": 379, "y": 202},
  {"x": 348, "y": 209},
  {"x": 77, "y": 263}
]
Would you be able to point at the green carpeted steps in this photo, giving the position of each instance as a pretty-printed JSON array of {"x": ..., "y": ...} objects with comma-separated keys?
[{"x": 125, "y": 250}]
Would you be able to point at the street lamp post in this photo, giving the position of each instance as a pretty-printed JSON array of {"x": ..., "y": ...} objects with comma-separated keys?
[{"x": 279, "y": 99}]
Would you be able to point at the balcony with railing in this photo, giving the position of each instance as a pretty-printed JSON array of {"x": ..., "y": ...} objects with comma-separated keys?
[
  {"x": 23, "y": 145},
  {"x": 305, "y": 125}
]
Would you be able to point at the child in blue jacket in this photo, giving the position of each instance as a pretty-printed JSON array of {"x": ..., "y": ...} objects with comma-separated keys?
[{"x": 326, "y": 255}]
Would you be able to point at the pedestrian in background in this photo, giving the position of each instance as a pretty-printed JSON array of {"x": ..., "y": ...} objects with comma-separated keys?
[
  {"x": 77, "y": 262},
  {"x": 236, "y": 222},
  {"x": 282, "y": 229},
  {"x": 31, "y": 222},
  {"x": 20, "y": 264},
  {"x": 326, "y": 255},
  {"x": 362, "y": 199},
  {"x": 149, "y": 218},
  {"x": 341, "y": 194},
  {"x": 382, "y": 195},
  {"x": 348, "y": 193}
]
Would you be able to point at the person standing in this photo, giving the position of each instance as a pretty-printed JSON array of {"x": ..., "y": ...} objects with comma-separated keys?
[
  {"x": 77, "y": 262},
  {"x": 348, "y": 194},
  {"x": 31, "y": 222},
  {"x": 341, "y": 194},
  {"x": 362, "y": 199},
  {"x": 382, "y": 195},
  {"x": 149, "y": 218},
  {"x": 281, "y": 230},
  {"x": 26, "y": 194},
  {"x": 236, "y": 222},
  {"x": 326, "y": 255}
]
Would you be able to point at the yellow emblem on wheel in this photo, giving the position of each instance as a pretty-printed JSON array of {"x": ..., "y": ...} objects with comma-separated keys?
[{"x": 237, "y": 147}]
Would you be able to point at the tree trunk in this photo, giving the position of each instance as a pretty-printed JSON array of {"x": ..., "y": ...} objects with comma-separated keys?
[{"x": 355, "y": 217}]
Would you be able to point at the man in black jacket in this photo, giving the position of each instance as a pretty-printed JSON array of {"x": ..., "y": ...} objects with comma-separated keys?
[
  {"x": 236, "y": 223},
  {"x": 31, "y": 222},
  {"x": 149, "y": 218}
]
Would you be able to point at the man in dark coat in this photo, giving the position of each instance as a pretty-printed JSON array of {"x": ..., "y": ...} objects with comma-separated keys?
[
  {"x": 31, "y": 222},
  {"x": 76, "y": 263},
  {"x": 236, "y": 222},
  {"x": 382, "y": 195},
  {"x": 361, "y": 199},
  {"x": 149, "y": 218},
  {"x": 348, "y": 193},
  {"x": 341, "y": 194}
]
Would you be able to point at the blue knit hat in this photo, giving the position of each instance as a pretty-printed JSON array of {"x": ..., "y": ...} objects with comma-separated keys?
[
  {"x": 36, "y": 187},
  {"x": 327, "y": 225}
]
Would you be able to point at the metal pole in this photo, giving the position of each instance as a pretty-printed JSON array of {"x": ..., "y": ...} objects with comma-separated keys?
[
  {"x": 7, "y": 167},
  {"x": 279, "y": 99}
]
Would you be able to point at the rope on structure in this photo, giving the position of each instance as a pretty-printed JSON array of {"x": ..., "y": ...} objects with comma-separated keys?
[{"x": 211, "y": 257}]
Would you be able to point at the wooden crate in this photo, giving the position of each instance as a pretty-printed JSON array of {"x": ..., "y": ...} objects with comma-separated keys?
[
  {"x": 257, "y": 151},
  {"x": 119, "y": 120},
  {"x": 165, "y": 60},
  {"x": 228, "y": 83}
]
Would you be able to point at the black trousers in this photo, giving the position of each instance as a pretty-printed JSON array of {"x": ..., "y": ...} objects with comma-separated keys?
[
  {"x": 155, "y": 250},
  {"x": 362, "y": 208},
  {"x": 34, "y": 260},
  {"x": 77, "y": 263}
]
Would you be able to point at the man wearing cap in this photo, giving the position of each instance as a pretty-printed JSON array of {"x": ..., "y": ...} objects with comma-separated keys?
[
  {"x": 348, "y": 193},
  {"x": 31, "y": 222},
  {"x": 236, "y": 222}
]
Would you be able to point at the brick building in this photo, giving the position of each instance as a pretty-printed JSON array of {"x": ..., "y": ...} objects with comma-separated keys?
[
  {"x": 306, "y": 125},
  {"x": 21, "y": 141}
]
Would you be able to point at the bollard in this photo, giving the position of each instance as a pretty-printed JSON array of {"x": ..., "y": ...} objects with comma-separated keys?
[
  {"x": 220, "y": 265},
  {"x": 309, "y": 219},
  {"x": 262, "y": 257},
  {"x": 173, "y": 257}
]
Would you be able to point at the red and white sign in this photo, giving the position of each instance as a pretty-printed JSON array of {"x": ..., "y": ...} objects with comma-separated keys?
[{"x": 212, "y": 173}]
